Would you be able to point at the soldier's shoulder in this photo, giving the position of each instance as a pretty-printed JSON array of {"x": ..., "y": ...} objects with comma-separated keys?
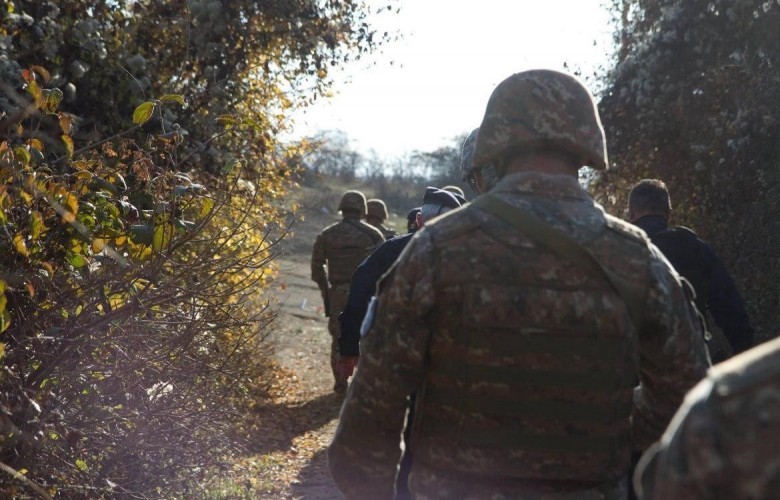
[
  {"x": 625, "y": 230},
  {"x": 748, "y": 372},
  {"x": 371, "y": 228},
  {"x": 453, "y": 223},
  {"x": 331, "y": 227}
]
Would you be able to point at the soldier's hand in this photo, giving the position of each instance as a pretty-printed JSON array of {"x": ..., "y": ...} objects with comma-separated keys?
[{"x": 345, "y": 366}]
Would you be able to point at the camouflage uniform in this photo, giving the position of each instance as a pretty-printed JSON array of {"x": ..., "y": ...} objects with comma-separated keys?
[
  {"x": 341, "y": 247},
  {"x": 376, "y": 216},
  {"x": 525, "y": 365},
  {"x": 723, "y": 441}
]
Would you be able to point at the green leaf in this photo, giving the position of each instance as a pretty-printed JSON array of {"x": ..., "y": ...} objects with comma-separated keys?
[
  {"x": 141, "y": 234},
  {"x": 51, "y": 99},
  {"x": 82, "y": 465},
  {"x": 22, "y": 155},
  {"x": 143, "y": 112},
  {"x": 227, "y": 120},
  {"x": 76, "y": 260},
  {"x": 228, "y": 167},
  {"x": 173, "y": 98}
]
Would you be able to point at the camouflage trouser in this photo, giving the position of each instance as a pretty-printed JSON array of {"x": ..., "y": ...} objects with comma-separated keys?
[{"x": 337, "y": 296}]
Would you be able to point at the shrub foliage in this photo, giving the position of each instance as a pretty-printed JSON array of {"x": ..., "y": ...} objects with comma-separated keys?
[{"x": 141, "y": 197}]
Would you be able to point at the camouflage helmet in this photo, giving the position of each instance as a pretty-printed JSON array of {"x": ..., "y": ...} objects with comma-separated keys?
[
  {"x": 541, "y": 109},
  {"x": 377, "y": 208},
  {"x": 353, "y": 200},
  {"x": 467, "y": 154}
]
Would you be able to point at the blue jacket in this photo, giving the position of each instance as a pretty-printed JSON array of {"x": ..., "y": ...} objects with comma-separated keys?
[
  {"x": 362, "y": 288},
  {"x": 697, "y": 262}
]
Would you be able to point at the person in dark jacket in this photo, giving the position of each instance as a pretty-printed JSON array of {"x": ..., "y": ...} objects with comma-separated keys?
[
  {"x": 650, "y": 208},
  {"x": 364, "y": 280}
]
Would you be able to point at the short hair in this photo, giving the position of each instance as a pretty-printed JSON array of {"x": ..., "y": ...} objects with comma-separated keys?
[{"x": 650, "y": 196}]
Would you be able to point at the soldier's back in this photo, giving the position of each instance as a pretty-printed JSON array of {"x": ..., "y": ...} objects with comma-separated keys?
[
  {"x": 531, "y": 380},
  {"x": 347, "y": 243}
]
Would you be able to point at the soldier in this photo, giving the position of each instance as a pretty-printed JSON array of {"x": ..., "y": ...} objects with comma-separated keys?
[
  {"x": 341, "y": 247},
  {"x": 723, "y": 441},
  {"x": 435, "y": 202},
  {"x": 377, "y": 214},
  {"x": 650, "y": 208},
  {"x": 522, "y": 322}
]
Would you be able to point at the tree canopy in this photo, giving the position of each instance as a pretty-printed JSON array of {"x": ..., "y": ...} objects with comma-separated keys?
[{"x": 693, "y": 100}]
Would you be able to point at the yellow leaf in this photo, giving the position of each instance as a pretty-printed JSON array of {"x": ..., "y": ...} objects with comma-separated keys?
[
  {"x": 68, "y": 141},
  {"x": 172, "y": 98},
  {"x": 66, "y": 123},
  {"x": 36, "y": 225},
  {"x": 143, "y": 112},
  {"x": 35, "y": 91},
  {"x": 71, "y": 203},
  {"x": 20, "y": 245},
  {"x": 48, "y": 267},
  {"x": 206, "y": 207},
  {"x": 5, "y": 321},
  {"x": 98, "y": 244},
  {"x": 3, "y": 286},
  {"x": 30, "y": 289},
  {"x": 2, "y": 350},
  {"x": 37, "y": 144},
  {"x": 162, "y": 236},
  {"x": 44, "y": 74}
]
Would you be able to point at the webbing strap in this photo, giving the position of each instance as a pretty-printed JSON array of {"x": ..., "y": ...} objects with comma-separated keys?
[
  {"x": 563, "y": 245},
  {"x": 362, "y": 229}
]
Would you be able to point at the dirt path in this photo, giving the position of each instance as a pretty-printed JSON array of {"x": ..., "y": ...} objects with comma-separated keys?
[
  {"x": 299, "y": 424},
  {"x": 288, "y": 460}
]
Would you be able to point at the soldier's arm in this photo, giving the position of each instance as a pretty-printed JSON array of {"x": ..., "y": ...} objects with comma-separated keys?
[
  {"x": 365, "y": 451},
  {"x": 687, "y": 462},
  {"x": 726, "y": 305},
  {"x": 318, "y": 274},
  {"x": 672, "y": 355},
  {"x": 361, "y": 290}
]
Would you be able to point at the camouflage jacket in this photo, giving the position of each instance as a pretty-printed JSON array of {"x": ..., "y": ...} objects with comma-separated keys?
[
  {"x": 723, "y": 441},
  {"x": 523, "y": 363},
  {"x": 340, "y": 248}
]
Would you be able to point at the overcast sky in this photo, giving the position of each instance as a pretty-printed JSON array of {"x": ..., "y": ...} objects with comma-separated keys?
[{"x": 452, "y": 55}]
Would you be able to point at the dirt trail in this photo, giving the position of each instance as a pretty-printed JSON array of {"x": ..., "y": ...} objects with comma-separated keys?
[
  {"x": 294, "y": 429},
  {"x": 304, "y": 418}
]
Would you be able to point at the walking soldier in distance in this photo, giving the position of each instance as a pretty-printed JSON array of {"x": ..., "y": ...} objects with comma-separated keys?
[
  {"x": 338, "y": 250},
  {"x": 522, "y": 321},
  {"x": 377, "y": 214}
]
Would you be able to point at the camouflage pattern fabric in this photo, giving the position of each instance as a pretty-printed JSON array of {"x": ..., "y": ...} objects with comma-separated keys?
[
  {"x": 723, "y": 441},
  {"x": 337, "y": 252},
  {"x": 523, "y": 365},
  {"x": 386, "y": 231}
]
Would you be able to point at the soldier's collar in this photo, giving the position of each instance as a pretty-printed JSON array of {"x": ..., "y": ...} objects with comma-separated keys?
[{"x": 555, "y": 186}]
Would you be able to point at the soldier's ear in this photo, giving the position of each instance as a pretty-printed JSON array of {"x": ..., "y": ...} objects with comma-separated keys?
[{"x": 419, "y": 220}]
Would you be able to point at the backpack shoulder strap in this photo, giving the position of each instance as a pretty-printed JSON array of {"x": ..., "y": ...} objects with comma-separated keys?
[{"x": 559, "y": 242}]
